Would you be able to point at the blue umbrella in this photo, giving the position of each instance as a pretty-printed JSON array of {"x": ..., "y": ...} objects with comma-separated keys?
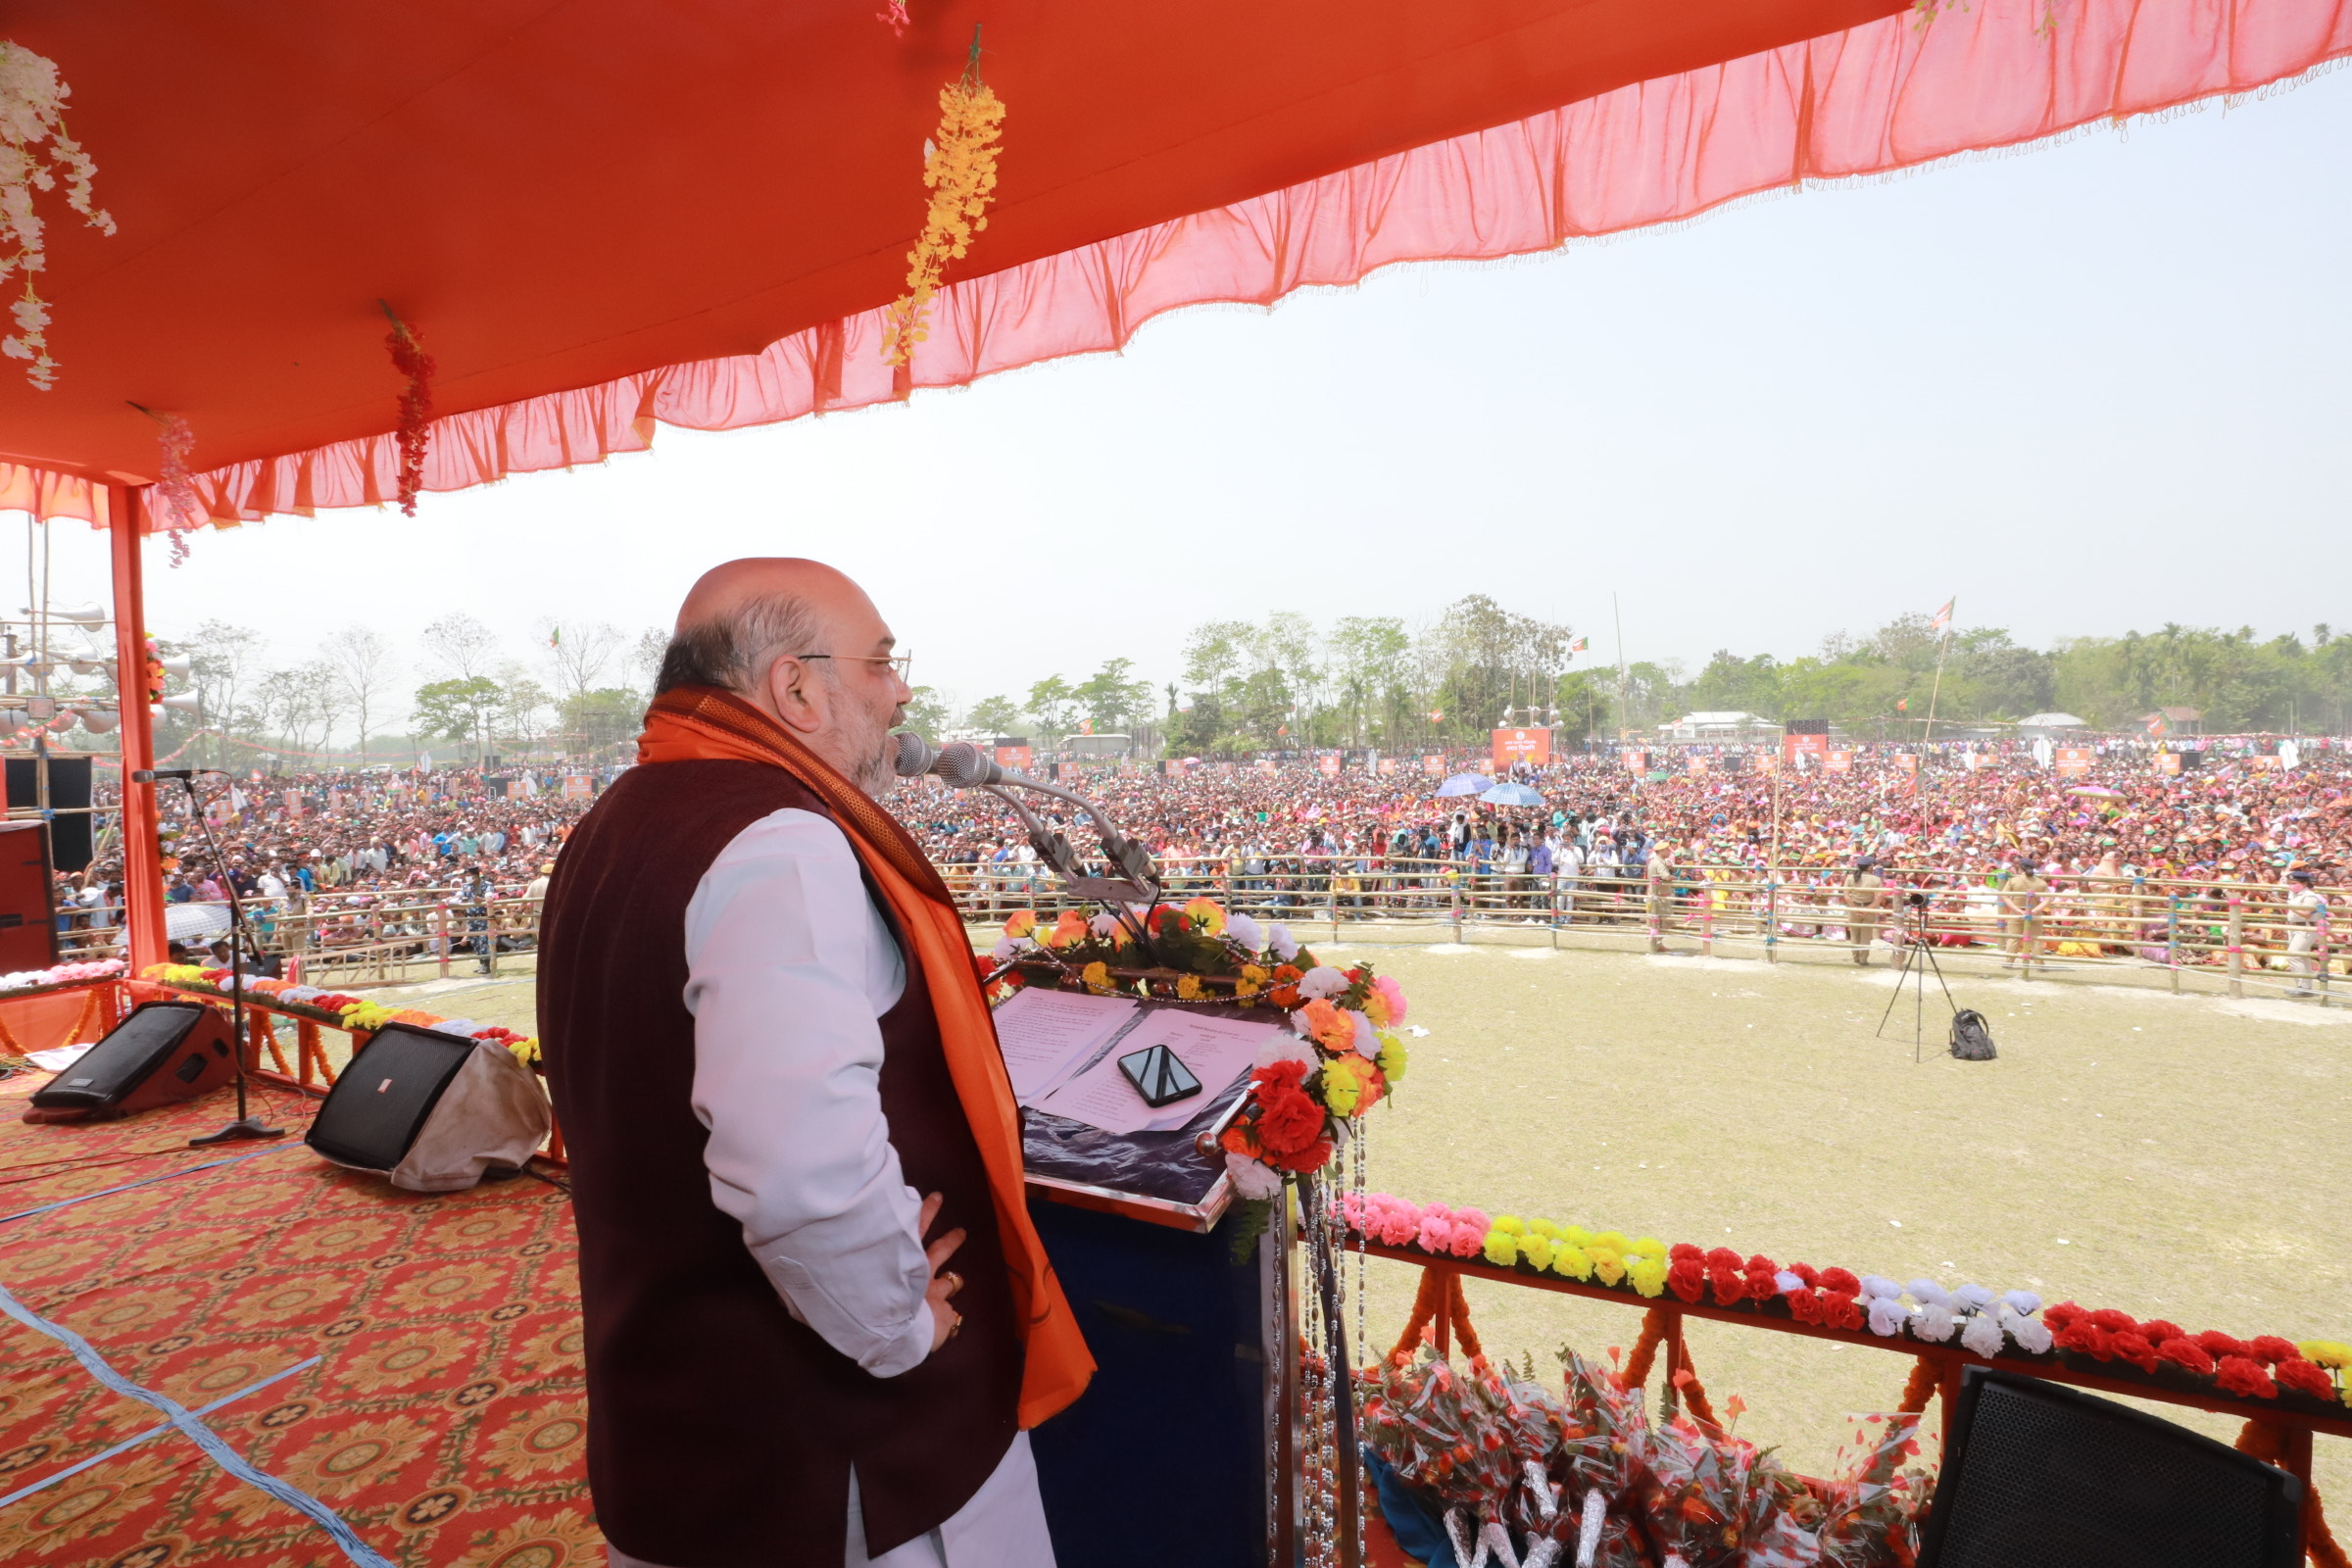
[
  {"x": 1466, "y": 784},
  {"x": 1508, "y": 794}
]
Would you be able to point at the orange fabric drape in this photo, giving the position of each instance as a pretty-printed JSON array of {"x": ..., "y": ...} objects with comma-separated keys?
[{"x": 700, "y": 725}]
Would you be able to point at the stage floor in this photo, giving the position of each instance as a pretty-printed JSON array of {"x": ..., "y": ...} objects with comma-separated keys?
[{"x": 443, "y": 1419}]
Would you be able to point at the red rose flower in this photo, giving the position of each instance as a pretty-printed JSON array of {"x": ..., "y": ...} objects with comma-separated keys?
[
  {"x": 1805, "y": 1306},
  {"x": 1838, "y": 1279},
  {"x": 2132, "y": 1346},
  {"x": 1686, "y": 1278},
  {"x": 2158, "y": 1331},
  {"x": 2244, "y": 1376},
  {"x": 1313, "y": 1157},
  {"x": 1722, "y": 1257},
  {"x": 1763, "y": 1287},
  {"x": 1682, "y": 1249},
  {"x": 2217, "y": 1344},
  {"x": 1839, "y": 1309},
  {"x": 2114, "y": 1322},
  {"x": 2060, "y": 1315},
  {"x": 1731, "y": 1286},
  {"x": 2305, "y": 1378},
  {"x": 1758, "y": 1263},
  {"x": 2271, "y": 1348},
  {"x": 2079, "y": 1335},
  {"x": 1289, "y": 1121},
  {"x": 2188, "y": 1354},
  {"x": 1805, "y": 1272}
]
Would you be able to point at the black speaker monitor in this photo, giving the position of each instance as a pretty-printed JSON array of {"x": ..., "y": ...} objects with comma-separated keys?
[
  {"x": 2042, "y": 1474},
  {"x": 379, "y": 1105},
  {"x": 69, "y": 840},
  {"x": 163, "y": 1052}
]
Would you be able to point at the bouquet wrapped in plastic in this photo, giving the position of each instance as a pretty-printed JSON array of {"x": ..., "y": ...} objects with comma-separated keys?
[
  {"x": 1602, "y": 1465},
  {"x": 1696, "y": 1497},
  {"x": 1870, "y": 1515}
]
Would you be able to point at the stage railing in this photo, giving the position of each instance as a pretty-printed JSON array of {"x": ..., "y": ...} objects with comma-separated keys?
[
  {"x": 2283, "y": 1436},
  {"x": 2242, "y": 937},
  {"x": 361, "y": 938}
]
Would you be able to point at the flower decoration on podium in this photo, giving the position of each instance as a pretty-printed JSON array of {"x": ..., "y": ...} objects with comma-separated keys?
[{"x": 1341, "y": 1056}]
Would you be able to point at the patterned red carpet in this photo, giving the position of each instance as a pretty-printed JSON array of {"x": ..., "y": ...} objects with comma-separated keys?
[{"x": 443, "y": 1421}]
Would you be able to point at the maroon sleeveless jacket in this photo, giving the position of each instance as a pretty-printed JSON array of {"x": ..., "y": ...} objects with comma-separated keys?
[{"x": 722, "y": 1431}]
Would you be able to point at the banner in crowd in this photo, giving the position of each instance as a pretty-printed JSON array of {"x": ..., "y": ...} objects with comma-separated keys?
[
  {"x": 1804, "y": 751},
  {"x": 1906, "y": 762},
  {"x": 2075, "y": 760},
  {"x": 1327, "y": 766},
  {"x": 2168, "y": 762},
  {"x": 1839, "y": 762},
  {"x": 1636, "y": 763},
  {"x": 1433, "y": 766},
  {"x": 1521, "y": 746},
  {"x": 579, "y": 787},
  {"x": 1696, "y": 765},
  {"x": 1015, "y": 758}
]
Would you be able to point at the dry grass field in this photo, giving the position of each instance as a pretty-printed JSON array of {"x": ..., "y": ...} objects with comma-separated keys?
[{"x": 2175, "y": 1156}]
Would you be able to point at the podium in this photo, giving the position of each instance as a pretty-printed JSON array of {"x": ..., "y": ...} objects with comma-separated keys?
[{"x": 1167, "y": 1459}]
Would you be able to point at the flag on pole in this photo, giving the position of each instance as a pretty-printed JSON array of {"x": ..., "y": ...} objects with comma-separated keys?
[
  {"x": 1577, "y": 644},
  {"x": 2156, "y": 725},
  {"x": 555, "y": 636},
  {"x": 1943, "y": 617}
]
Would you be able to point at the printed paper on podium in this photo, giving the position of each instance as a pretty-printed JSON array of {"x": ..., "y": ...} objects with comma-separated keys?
[
  {"x": 1217, "y": 1051},
  {"x": 1049, "y": 1034}
]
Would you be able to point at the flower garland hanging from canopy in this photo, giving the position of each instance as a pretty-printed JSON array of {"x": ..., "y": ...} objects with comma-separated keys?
[{"x": 32, "y": 99}]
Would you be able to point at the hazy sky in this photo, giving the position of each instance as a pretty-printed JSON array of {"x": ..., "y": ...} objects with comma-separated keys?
[{"x": 2088, "y": 388}]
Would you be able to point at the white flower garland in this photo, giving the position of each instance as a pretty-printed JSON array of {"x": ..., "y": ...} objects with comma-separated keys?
[{"x": 31, "y": 113}]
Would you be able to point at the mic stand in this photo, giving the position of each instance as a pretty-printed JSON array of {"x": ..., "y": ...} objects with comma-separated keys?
[
  {"x": 247, "y": 1125},
  {"x": 1141, "y": 883}
]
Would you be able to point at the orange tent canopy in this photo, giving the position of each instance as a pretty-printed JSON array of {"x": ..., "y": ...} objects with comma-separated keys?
[{"x": 558, "y": 195}]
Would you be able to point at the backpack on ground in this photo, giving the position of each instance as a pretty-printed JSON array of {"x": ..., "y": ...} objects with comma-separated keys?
[{"x": 1972, "y": 1038}]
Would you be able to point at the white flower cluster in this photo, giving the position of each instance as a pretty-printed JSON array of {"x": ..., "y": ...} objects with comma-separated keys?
[
  {"x": 1981, "y": 1319},
  {"x": 33, "y": 101}
]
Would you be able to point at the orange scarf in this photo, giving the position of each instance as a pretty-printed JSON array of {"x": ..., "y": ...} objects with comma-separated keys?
[{"x": 700, "y": 723}]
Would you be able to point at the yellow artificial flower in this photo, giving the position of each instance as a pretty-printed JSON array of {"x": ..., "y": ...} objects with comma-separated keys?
[
  {"x": 1021, "y": 924},
  {"x": 1648, "y": 1275},
  {"x": 1508, "y": 1222},
  {"x": 1347, "y": 1081},
  {"x": 526, "y": 1052},
  {"x": 1614, "y": 1241},
  {"x": 1188, "y": 986},
  {"x": 1502, "y": 1248},
  {"x": 1647, "y": 1247},
  {"x": 1204, "y": 913},
  {"x": 1608, "y": 1265},
  {"x": 1575, "y": 1235},
  {"x": 1543, "y": 1228},
  {"x": 961, "y": 169},
  {"x": 1391, "y": 1057},
  {"x": 1571, "y": 1262},
  {"x": 1376, "y": 1007},
  {"x": 2327, "y": 1352},
  {"x": 1097, "y": 976},
  {"x": 1535, "y": 1249}
]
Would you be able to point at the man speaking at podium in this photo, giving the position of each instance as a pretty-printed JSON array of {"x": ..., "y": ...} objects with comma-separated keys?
[{"x": 818, "y": 1320}]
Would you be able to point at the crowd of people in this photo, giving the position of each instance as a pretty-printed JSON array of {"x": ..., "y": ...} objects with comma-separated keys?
[{"x": 338, "y": 855}]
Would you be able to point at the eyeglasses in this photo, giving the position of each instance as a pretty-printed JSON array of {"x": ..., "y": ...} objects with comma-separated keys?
[{"x": 900, "y": 664}]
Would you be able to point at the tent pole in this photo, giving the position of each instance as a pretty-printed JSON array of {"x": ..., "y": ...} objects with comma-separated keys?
[{"x": 142, "y": 855}]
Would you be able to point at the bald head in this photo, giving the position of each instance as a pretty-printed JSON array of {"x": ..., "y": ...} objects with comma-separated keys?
[{"x": 801, "y": 642}]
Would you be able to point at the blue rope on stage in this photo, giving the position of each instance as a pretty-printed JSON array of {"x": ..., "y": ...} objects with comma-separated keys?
[
  {"x": 176, "y": 1414},
  {"x": 75, "y": 1469},
  {"x": 185, "y": 1170}
]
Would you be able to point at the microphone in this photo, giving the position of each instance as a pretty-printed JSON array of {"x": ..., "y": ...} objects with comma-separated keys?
[
  {"x": 960, "y": 765},
  {"x": 148, "y": 775}
]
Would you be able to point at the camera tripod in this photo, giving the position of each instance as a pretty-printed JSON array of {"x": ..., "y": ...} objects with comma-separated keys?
[{"x": 1917, "y": 976}]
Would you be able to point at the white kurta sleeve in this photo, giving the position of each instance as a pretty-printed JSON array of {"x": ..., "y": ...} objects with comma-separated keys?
[{"x": 789, "y": 970}]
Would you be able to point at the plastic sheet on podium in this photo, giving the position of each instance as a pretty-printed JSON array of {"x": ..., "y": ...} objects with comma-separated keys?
[{"x": 1178, "y": 1405}]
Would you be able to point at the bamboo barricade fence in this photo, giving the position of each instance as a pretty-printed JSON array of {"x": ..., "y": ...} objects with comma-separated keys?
[
  {"x": 2205, "y": 935},
  {"x": 2234, "y": 938}
]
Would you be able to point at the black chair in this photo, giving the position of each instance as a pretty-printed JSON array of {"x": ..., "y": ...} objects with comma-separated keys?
[{"x": 2040, "y": 1475}]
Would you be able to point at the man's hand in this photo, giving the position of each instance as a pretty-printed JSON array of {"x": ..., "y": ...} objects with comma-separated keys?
[{"x": 945, "y": 1282}]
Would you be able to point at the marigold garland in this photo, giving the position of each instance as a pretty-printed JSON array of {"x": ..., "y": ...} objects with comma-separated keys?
[
  {"x": 415, "y": 406},
  {"x": 960, "y": 169}
]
